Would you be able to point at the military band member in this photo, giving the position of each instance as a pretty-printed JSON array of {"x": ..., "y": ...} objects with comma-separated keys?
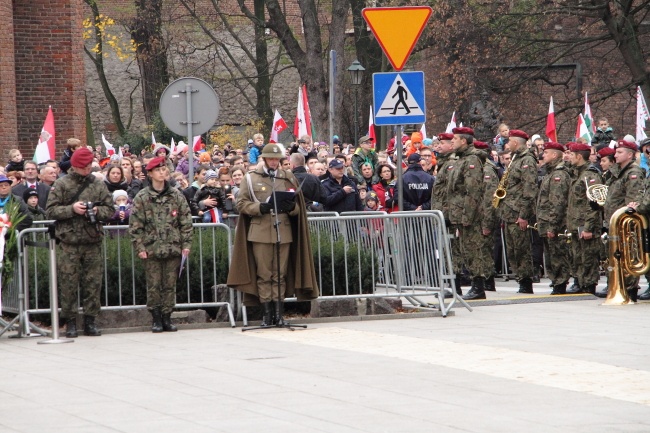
[
  {"x": 518, "y": 207},
  {"x": 551, "y": 216},
  {"x": 584, "y": 220}
]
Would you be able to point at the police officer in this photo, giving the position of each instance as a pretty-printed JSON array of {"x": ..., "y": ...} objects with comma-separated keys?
[
  {"x": 79, "y": 260},
  {"x": 417, "y": 185},
  {"x": 552, "y": 204},
  {"x": 161, "y": 230}
]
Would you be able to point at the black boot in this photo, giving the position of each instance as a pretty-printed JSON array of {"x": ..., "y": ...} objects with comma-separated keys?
[
  {"x": 633, "y": 292},
  {"x": 575, "y": 288},
  {"x": 645, "y": 296},
  {"x": 267, "y": 315},
  {"x": 490, "y": 285},
  {"x": 156, "y": 325},
  {"x": 90, "y": 329},
  {"x": 477, "y": 291},
  {"x": 71, "y": 328},
  {"x": 457, "y": 282},
  {"x": 279, "y": 311},
  {"x": 602, "y": 293},
  {"x": 167, "y": 323},
  {"x": 526, "y": 286},
  {"x": 559, "y": 289},
  {"x": 591, "y": 289}
]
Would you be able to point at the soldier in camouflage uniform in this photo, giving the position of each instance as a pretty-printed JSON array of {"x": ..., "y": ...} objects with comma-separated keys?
[
  {"x": 489, "y": 215},
  {"x": 465, "y": 194},
  {"x": 518, "y": 207},
  {"x": 584, "y": 220},
  {"x": 79, "y": 259},
  {"x": 551, "y": 216},
  {"x": 161, "y": 230},
  {"x": 626, "y": 185}
]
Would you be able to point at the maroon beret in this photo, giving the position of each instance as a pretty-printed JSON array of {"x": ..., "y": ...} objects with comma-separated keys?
[
  {"x": 578, "y": 147},
  {"x": 518, "y": 133},
  {"x": 627, "y": 144},
  {"x": 463, "y": 130},
  {"x": 481, "y": 145},
  {"x": 81, "y": 157},
  {"x": 553, "y": 145},
  {"x": 156, "y": 162},
  {"x": 445, "y": 136},
  {"x": 606, "y": 151}
]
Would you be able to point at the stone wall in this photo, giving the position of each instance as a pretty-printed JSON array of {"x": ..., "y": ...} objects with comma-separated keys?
[{"x": 8, "y": 130}]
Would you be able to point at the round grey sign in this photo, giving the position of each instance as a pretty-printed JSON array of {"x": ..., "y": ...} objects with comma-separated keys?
[{"x": 203, "y": 110}]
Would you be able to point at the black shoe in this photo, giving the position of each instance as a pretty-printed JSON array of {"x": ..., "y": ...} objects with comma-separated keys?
[
  {"x": 156, "y": 325},
  {"x": 90, "y": 329},
  {"x": 559, "y": 289},
  {"x": 601, "y": 294},
  {"x": 645, "y": 296},
  {"x": 526, "y": 286},
  {"x": 574, "y": 290},
  {"x": 167, "y": 323},
  {"x": 477, "y": 291},
  {"x": 279, "y": 312},
  {"x": 267, "y": 315},
  {"x": 457, "y": 282},
  {"x": 591, "y": 289},
  {"x": 632, "y": 292},
  {"x": 71, "y": 328},
  {"x": 490, "y": 286}
]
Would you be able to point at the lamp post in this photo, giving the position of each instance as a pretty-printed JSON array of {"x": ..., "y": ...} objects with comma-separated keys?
[{"x": 356, "y": 75}]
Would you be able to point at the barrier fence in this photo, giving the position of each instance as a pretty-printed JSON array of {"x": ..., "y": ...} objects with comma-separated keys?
[{"x": 356, "y": 255}]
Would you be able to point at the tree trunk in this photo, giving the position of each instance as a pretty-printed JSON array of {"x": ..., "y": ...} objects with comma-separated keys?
[{"x": 263, "y": 84}]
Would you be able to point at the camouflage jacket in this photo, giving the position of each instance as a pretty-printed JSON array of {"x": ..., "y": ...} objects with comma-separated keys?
[
  {"x": 489, "y": 215},
  {"x": 72, "y": 228},
  {"x": 160, "y": 222},
  {"x": 439, "y": 190},
  {"x": 553, "y": 199},
  {"x": 521, "y": 190},
  {"x": 581, "y": 216},
  {"x": 626, "y": 185},
  {"x": 465, "y": 188}
]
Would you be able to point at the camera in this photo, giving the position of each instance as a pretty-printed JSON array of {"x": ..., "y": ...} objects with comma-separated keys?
[
  {"x": 90, "y": 213},
  {"x": 228, "y": 205}
]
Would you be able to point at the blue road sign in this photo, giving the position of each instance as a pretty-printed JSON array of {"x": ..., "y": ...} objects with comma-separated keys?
[{"x": 398, "y": 98}]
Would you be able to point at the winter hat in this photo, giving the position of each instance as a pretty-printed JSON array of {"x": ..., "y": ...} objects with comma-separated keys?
[
  {"x": 210, "y": 174},
  {"x": 29, "y": 192},
  {"x": 119, "y": 193},
  {"x": 159, "y": 147},
  {"x": 204, "y": 158}
]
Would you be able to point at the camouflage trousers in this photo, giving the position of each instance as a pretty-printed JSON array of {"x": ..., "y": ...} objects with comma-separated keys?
[
  {"x": 586, "y": 253},
  {"x": 79, "y": 268},
  {"x": 556, "y": 251},
  {"x": 475, "y": 250},
  {"x": 456, "y": 255},
  {"x": 518, "y": 249},
  {"x": 161, "y": 275}
]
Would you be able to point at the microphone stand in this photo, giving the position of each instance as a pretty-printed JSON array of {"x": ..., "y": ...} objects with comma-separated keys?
[{"x": 280, "y": 322}]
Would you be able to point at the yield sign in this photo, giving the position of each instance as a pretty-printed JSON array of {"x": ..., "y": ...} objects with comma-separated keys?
[{"x": 397, "y": 30}]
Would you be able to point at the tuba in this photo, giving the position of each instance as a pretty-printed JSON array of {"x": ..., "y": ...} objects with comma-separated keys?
[{"x": 628, "y": 252}]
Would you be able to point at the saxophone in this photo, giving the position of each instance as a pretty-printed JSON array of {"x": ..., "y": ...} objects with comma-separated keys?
[{"x": 500, "y": 192}]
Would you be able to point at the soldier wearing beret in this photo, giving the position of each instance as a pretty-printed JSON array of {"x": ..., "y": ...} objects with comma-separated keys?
[
  {"x": 79, "y": 260},
  {"x": 551, "y": 215},
  {"x": 584, "y": 220},
  {"x": 160, "y": 227},
  {"x": 518, "y": 208}
]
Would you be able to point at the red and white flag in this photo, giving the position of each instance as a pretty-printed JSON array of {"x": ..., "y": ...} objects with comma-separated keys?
[
  {"x": 582, "y": 130},
  {"x": 110, "y": 150},
  {"x": 198, "y": 144},
  {"x": 451, "y": 125},
  {"x": 371, "y": 126},
  {"x": 423, "y": 131},
  {"x": 641, "y": 115},
  {"x": 153, "y": 141},
  {"x": 279, "y": 125},
  {"x": 305, "y": 103},
  {"x": 589, "y": 118},
  {"x": 46, "y": 146},
  {"x": 551, "y": 133},
  {"x": 214, "y": 215},
  {"x": 300, "y": 125}
]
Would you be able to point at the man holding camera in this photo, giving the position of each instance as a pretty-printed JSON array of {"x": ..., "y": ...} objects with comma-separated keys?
[{"x": 78, "y": 202}]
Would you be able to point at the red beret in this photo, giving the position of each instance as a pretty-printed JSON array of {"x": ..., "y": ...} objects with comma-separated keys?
[
  {"x": 481, "y": 145},
  {"x": 553, "y": 145},
  {"x": 405, "y": 138},
  {"x": 518, "y": 133},
  {"x": 156, "y": 162},
  {"x": 578, "y": 147},
  {"x": 445, "y": 136},
  {"x": 627, "y": 144},
  {"x": 81, "y": 157},
  {"x": 463, "y": 130},
  {"x": 606, "y": 151}
]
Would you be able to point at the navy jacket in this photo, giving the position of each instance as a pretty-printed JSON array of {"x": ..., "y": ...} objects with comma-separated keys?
[
  {"x": 417, "y": 188},
  {"x": 337, "y": 200}
]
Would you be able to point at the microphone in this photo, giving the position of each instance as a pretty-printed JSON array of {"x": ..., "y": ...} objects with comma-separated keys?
[{"x": 271, "y": 173}]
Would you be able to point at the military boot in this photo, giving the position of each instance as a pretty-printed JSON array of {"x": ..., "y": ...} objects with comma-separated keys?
[
  {"x": 633, "y": 292},
  {"x": 71, "y": 328},
  {"x": 490, "y": 285},
  {"x": 591, "y": 289},
  {"x": 477, "y": 291},
  {"x": 526, "y": 286},
  {"x": 267, "y": 315},
  {"x": 156, "y": 326},
  {"x": 602, "y": 293},
  {"x": 279, "y": 312},
  {"x": 457, "y": 282},
  {"x": 559, "y": 289},
  {"x": 90, "y": 329},
  {"x": 575, "y": 288},
  {"x": 645, "y": 296},
  {"x": 167, "y": 323}
]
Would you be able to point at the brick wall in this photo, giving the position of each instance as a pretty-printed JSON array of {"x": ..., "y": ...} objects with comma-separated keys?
[{"x": 8, "y": 131}]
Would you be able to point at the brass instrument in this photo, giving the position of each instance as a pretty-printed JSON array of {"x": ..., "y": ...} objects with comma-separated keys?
[
  {"x": 534, "y": 226},
  {"x": 567, "y": 235},
  {"x": 628, "y": 252},
  {"x": 597, "y": 193},
  {"x": 501, "y": 192}
]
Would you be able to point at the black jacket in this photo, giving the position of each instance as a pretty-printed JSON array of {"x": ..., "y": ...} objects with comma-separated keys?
[
  {"x": 337, "y": 200},
  {"x": 417, "y": 188},
  {"x": 312, "y": 189},
  {"x": 42, "y": 189}
]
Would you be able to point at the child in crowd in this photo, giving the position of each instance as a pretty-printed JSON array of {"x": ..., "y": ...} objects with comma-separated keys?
[
  {"x": 30, "y": 196},
  {"x": 122, "y": 208},
  {"x": 372, "y": 202},
  {"x": 209, "y": 190},
  {"x": 604, "y": 134},
  {"x": 16, "y": 161},
  {"x": 363, "y": 190},
  {"x": 502, "y": 138}
]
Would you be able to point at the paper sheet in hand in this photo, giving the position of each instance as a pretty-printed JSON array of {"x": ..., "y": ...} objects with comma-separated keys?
[{"x": 281, "y": 196}]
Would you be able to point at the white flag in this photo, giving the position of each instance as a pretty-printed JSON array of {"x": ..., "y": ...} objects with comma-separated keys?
[
  {"x": 641, "y": 115},
  {"x": 110, "y": 150},
  {"x": 451, "y": 125}
]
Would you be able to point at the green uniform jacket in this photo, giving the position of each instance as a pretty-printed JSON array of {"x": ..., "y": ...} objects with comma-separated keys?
[
  {"x": 625, "y": 185},
  {"x": 301, "y": 274},
  {"x": 439, "y": 191},
  {"x": 465, "y": 188},
  {"x": 580, "y": 213},
  {"x": 161, "y": 222},
  {"x": 72, "y": 228},
  {"x": 521, "y": 192},
  {"x": 553, "y": 200},
  {"x": 489, "y": 215}
]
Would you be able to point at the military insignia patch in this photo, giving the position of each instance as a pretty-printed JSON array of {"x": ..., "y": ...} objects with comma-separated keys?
[
  {"x": 488, "y": 177},
  {"x": 471, "y": 166},
  {"x": 557, "y": 179},
  {"x": 525, "y": 166},
  {"x": 633, "y": 176},
  {"x": 450, "y": 167},
  {"x": 174, "y": 212},
  {"x": 592, "y": 180}
]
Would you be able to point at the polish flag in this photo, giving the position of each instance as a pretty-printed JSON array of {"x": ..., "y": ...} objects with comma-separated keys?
[
  {"x": 214, "y": 215},
  {"x": 302, "y": 126},
  {"x": 641, "y": 115},
  {"x": 371, "y": 127},
  {"x": 279, "y": 125},
  {"x": 198, "y": 144},
  {"x": 451, "y": 125},
  {"x": 153, "y": 141},
  {"x": 110, "y": 150},
  {"x": 551, "y": 133},
  {"x": 423, "y": 131},
  {"x": 172, "y": 148},
  {"x": 46, "y": 147},
  {"x": 582, "y": 130},
  {"x": 308, "y": 123}
]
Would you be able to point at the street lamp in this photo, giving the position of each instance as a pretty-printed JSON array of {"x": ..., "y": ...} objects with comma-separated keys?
[{"x": 356, "y": 75}]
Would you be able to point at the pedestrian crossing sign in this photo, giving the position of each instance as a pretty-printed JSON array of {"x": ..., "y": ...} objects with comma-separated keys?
[{"x": 398, "y": 98}]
